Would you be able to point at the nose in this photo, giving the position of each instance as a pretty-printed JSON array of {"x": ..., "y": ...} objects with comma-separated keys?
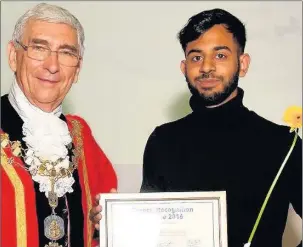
[
  {"x": 52, "y": 63},
  {"x": 207, "y": 66}
]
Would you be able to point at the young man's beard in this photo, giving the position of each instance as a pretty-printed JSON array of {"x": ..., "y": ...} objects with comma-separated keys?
[{"x": 217, "y": 97}]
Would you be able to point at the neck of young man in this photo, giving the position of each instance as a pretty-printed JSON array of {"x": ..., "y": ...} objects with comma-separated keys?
[{"x": 230, "y": 97}]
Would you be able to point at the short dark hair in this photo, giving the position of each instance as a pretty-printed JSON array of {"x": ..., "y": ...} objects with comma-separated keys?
[{"x": 200, "y": 23}]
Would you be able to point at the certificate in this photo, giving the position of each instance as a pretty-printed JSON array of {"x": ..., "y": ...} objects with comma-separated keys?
[{"x": 169, "y": 219}]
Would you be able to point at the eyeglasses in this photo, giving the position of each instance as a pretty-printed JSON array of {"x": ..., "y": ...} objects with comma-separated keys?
[{"x": 40, "y": 53}]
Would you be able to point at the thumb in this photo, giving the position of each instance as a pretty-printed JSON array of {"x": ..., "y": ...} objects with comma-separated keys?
[{"x": 113, "y": 190}]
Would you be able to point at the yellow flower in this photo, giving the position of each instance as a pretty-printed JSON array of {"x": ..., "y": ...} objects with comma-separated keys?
[{"x": 293, "y": 117}]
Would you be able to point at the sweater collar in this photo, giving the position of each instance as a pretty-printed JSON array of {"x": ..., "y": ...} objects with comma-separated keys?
[{"x": 230, "y": 112}]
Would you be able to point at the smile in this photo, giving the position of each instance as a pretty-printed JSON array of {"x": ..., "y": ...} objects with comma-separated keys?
[
  {"x": 208, "y": 83},
  {"x": 48, "y": 80}
]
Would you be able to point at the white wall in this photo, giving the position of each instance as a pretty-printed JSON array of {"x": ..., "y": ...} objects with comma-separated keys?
[{"x": 131, "y": 82}]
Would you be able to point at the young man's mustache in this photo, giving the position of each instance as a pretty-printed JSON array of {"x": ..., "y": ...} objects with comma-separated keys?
[{"x": 208, "y": 76}]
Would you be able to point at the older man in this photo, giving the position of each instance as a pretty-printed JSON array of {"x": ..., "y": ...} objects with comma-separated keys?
[{"x": 51, "y": 165}]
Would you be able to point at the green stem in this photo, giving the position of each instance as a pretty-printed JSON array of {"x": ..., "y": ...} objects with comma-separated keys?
[{"x": 271, "y": 188}]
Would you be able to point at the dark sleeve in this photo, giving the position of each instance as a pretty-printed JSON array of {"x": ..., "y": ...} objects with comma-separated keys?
[
  {"x": 295, "y": 180},
  {"x": 152, "y": 180}
]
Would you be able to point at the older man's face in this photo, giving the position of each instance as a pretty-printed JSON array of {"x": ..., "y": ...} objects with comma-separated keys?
[{"x": 45, "y": 83}]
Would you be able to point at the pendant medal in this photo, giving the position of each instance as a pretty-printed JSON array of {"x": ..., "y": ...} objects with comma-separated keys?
[{"x": 53, "y": 227}]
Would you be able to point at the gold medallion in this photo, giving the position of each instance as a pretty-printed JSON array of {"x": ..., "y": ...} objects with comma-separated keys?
[{"x": 53, "y": 227}]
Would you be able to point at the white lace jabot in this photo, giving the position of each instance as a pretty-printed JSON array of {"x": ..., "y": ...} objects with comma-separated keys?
[{"x": 46, "y": 137}]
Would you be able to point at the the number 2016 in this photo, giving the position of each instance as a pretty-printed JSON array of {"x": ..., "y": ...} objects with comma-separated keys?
[{"x": 175, "y": 216}]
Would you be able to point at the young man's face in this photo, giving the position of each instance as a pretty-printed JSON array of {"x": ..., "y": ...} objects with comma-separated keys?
[{"x": 213, "y": 65}]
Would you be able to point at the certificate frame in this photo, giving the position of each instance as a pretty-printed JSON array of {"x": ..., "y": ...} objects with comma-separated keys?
[{"x": 218, "y": 198}]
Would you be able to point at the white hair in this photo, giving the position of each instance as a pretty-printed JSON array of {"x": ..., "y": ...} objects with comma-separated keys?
[{"x": 49, "y": 13}]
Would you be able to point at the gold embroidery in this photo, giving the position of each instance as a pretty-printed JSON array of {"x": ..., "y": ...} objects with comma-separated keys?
[
  {"x": 4, "y": 140},
  {"x": 19, "y": 199},
  {"x": 54, "y": 229},
  {"x": 76, "y": 132},
  {"x": 16, "y": 148}
]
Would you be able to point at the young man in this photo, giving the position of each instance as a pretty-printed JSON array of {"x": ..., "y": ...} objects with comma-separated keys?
[{"x": 221, "y": 145}]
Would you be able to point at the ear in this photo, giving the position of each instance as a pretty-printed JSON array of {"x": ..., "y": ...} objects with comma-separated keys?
[
  {"x": 12, "y": 56},
  {"x": 244, "y": 64},
  {"x": 183, "y": 67},
  {"x": 78, "y": 70}
]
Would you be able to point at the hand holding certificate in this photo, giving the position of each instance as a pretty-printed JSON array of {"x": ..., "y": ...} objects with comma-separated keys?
[{"x": 186, "y": 219}]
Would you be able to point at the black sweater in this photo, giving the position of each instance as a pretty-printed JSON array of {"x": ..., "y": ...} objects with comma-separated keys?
[{"x": 233, "y": 149}]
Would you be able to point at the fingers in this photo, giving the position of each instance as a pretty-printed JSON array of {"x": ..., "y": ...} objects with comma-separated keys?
[
  {"x": 96, "y": 218},
  {"x": 97, "y": 199},
  {"x": 97, "y": 226},
  {"x": 94, "y": 214},
  {"x": 95, "y": 210}
]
